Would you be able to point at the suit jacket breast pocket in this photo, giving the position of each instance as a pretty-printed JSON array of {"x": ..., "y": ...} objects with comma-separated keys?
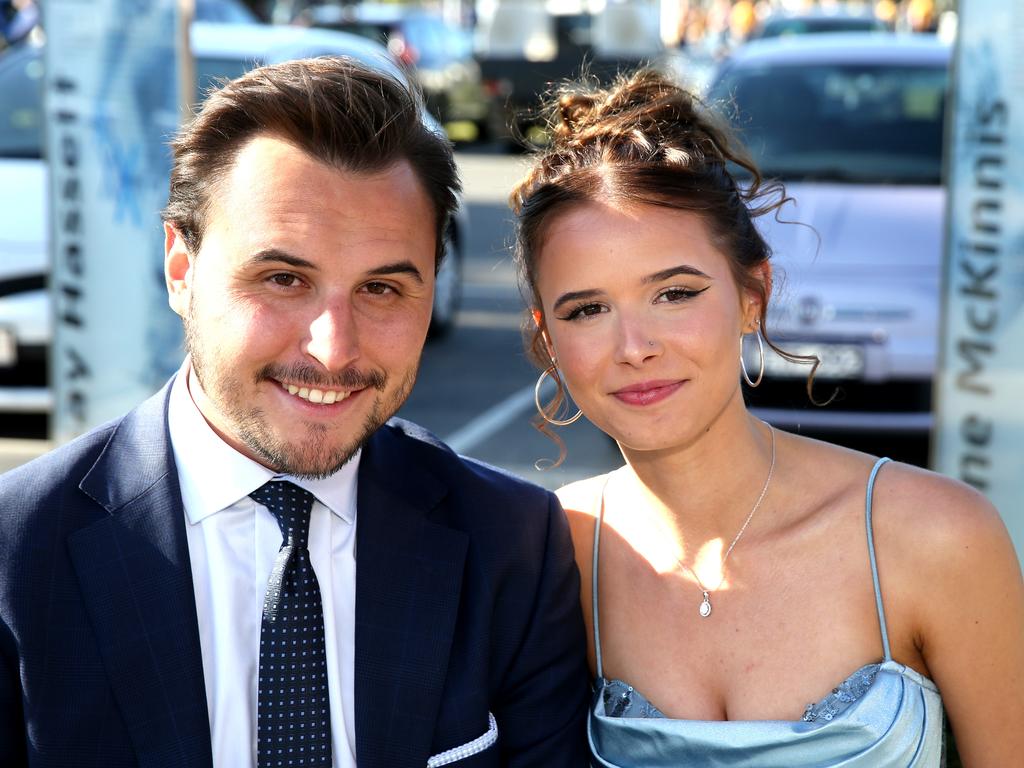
[{"x": 476, "y": 753}]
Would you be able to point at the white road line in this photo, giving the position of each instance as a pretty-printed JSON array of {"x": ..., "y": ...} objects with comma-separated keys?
[{"x": 491, "y": 421}]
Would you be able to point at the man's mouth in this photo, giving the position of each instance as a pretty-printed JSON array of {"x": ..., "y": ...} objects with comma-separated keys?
[{"x": 313, "y": 395}]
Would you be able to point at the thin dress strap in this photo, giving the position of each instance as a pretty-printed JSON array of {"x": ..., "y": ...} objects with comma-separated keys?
[
  {"x": 593, "y": 583},
  {"x": 874, "y": 563}
]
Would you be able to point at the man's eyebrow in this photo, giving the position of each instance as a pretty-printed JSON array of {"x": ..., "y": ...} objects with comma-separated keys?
[
  {"x": 682, "y": 269},
  {"x": 277, "y": 255},
  {"x": 405, "y": 267},
  {"x": 565, "y": 298}
]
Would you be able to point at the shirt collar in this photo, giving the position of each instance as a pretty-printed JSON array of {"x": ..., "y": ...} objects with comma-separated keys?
[{"x": 213, "y": 475}]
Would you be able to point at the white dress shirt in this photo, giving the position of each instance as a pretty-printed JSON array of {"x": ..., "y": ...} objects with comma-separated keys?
[{"x": 232, "y": 544}]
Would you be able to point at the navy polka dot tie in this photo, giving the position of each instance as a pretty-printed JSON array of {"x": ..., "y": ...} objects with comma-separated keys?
[{"x": 293, "y": 713}]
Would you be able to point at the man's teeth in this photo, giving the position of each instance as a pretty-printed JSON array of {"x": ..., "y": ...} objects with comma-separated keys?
[{"x": 316, "y": 395}]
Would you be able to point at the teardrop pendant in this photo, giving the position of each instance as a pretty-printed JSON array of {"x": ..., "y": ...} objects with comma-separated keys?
[{"x": 705, "y": 606}]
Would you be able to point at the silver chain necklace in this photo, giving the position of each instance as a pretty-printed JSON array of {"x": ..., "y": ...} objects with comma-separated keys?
[{"x": 705, "y": 605}]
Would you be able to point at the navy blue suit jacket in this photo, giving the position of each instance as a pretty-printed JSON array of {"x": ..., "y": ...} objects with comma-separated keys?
[{"x": 466, "y": 603}]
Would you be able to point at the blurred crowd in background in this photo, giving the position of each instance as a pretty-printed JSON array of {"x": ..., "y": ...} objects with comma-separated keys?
[
  {"x": 717, "y": 24},
  {"x": 709, "y": 24}
]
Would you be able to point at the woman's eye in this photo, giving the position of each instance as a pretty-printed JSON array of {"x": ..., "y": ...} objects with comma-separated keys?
[
  {"x": 673, "y": 295},
  {"x": 584, "y": 310}
]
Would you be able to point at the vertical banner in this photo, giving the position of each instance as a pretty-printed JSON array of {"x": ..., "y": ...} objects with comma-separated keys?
[
  {"x": 111, "y": 95},
  {"x": 979, "y": 435}
]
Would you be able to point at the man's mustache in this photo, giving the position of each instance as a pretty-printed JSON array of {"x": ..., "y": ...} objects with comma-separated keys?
[{"x": 307, "y": 375}]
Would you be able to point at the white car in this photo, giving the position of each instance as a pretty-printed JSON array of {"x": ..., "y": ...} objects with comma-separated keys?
[
  {"x": 853, "y": 125},
  {"x": 220, "y": 50}
]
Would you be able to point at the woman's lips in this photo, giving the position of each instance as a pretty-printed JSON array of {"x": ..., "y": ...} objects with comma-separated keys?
[{"x": 647, "y": 392}]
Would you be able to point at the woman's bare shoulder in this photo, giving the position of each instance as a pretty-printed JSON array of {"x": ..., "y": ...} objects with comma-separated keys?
[
  {"x": 933, "y": 511},
  {"x": 943, "y": 545},
  {"x": 952, "y": 563},
  {"x": 581, "y": 501},
  {"x": 917, "y": 510},
  {"x": 583, "y": 496}
]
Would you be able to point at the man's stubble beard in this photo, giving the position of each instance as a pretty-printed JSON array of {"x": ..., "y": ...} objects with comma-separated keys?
[{"x": 314, "y": 458}]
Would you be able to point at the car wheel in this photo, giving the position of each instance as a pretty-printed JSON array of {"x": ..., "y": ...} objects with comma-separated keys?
[{"x": 447, "y": 292}]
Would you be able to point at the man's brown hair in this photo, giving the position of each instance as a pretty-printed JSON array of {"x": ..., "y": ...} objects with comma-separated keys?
[{"x": 338, "y": 110}]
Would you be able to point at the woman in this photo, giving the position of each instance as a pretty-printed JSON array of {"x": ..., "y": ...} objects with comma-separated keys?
[{"x": 736, "y": 574}]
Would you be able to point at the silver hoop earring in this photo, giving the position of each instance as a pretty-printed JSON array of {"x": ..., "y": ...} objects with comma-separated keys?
[
  {"x": 743, "y": 363},
  {"x": 536, "y": 401}
]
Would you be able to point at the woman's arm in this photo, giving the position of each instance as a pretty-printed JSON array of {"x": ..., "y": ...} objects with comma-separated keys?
[{"x": 968, "y": 593}]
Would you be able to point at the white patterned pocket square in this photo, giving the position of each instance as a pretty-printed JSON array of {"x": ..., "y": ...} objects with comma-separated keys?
[{"x": 470, "y": 748}]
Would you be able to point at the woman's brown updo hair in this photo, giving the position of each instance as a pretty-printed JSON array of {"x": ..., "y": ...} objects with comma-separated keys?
[{"x": 643, "y": 139}]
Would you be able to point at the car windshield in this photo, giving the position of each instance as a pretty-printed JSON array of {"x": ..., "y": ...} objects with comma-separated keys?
[
  {"x": 432, "y": 43},
  {"x": 21, "y": 113},
  {"x": 21, "y": 108},
  {"x": 862, "y": 124},
  {"x": 780, "y": 27},
  {"x": 436, "y": 43},
  {"x": 212, "y": 72},
  {"x": 224, "y": 12}
]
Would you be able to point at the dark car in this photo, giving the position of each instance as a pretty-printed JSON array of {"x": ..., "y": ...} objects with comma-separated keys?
[
  {"x": 821, "y": 21},
  {"x": 439, "y": 56},
  {"x": 524, "y": 50}
]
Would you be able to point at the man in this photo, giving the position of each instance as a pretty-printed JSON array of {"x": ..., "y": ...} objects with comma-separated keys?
[{"x": 256, "y": 567}]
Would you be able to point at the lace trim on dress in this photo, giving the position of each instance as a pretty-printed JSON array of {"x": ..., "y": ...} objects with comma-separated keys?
[
  {"x": 622, "y": 700},
  {"x": 843, "y": 695}
]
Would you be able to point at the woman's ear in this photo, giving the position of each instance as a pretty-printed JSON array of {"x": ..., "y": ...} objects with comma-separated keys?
[{"x": 755, "y": 298}]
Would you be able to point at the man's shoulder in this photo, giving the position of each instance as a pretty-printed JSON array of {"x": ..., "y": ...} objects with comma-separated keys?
[
  {"x": 57, "y": 467},
  {"x": 66, "y": 466},
  {"x": 461, "y": 473},
  {"x": 508, "y": 519}
]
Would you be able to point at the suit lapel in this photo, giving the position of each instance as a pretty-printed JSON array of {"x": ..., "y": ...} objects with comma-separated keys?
[
  {"x": 408, "y": 578},
  {"x": 136, "y": 582}
]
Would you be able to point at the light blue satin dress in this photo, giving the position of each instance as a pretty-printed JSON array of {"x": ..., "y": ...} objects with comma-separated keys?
[{"x": 885, "y": 715}]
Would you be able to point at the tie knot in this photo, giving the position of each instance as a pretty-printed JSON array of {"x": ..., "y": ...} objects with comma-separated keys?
[{"x": 290, "y": 505}]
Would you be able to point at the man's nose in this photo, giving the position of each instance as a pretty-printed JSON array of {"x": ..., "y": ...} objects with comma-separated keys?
[{"x": 333, "y": 336}]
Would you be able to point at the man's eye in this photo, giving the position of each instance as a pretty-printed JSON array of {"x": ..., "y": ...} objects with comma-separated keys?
[
  {"x": 379, "y": 289},
  {"x": 284, "y": 279}
]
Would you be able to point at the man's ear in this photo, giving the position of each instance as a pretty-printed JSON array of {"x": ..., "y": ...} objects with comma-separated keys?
[
  {"x": 178, "y": 263},
  {"x": 754, "y": 300}
]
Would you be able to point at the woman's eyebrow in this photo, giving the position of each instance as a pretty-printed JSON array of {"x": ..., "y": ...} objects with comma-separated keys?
[
  {"x": 682, "y": 269},
  {"x": 565, "y": 298}
]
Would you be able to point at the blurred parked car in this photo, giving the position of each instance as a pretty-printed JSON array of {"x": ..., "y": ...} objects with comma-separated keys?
[
  {"x": 17, "y": 20},
  {"x": 439, "y": 56},
  {"x": 221, "y": 51},
  {"x": 224, "y": 12},
  {"x": 835, "y": 19},
  {"x": 853, "y": 124},
  {"x": 524, "y": 50}
]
